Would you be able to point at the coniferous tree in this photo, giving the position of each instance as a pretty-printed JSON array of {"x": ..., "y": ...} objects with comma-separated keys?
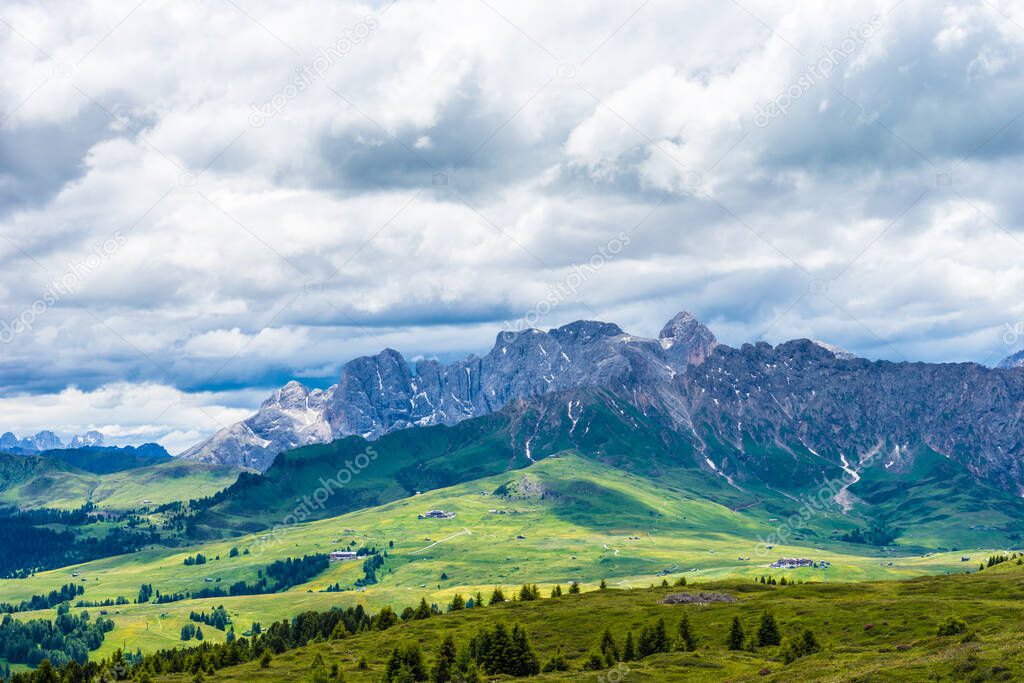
[
  {"x": 574, "y": 588},
  {"x": 687, "y": 640},
  {"x": 386, "y": 618},
  {"x": 457, "y": 603},
  {"x": 526, "y": 662},
  {"x": 445, "y": 664},
  {"x": 529, "y": 592},
  {"x": 497, "y": 596},
  {"x": 556, "y": 592},
  {"x": 629, "y": 649},
  {"x": 405, "y": 664},
  {"x": 609, "y": 650},
  {"x": 736, "y": 638},
  {"x": 423, "y": 611},
  {"x": 768, "y": 631}
]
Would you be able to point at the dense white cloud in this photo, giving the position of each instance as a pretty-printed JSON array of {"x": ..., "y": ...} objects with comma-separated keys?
[
  {"x": 128, "y": 413},
  {"x": 291, "y": 184}
]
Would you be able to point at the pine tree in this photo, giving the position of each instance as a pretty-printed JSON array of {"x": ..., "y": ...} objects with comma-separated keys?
[
  {"x": 524, "y": 658},
  {"x": 809, "y": 642},
  {"x": 629, "y": 650},
  {"x": 768, "y": 632},
  {"x": 423, "y": 611},
  {"x": 574, "y": 588},
  {"x": 386, "y": 618},
  {"x": 604, "y": 585},
  {"x": 497, "y": 596},
  {"x": 529, "y": 592},
  {"x": 735, "y": 639},
  {"x": 445, "y": 664},
  {"x": 457, "y": 603},
  {"x": 556, "y": 592},
  {"x": 661, "y": 641},
  {"x": 478, "y": 601},
  {"x": 687, "y": 641},
  {"x": 265, "y": 660},
  {"x": 609, "y": 650}
]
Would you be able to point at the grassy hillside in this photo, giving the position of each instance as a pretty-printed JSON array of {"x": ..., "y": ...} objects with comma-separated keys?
[
  {"x": 32, "y": 481},
  {"x": 565, "y": 518},
  {"x": 603, "y": 427},
  {"x": 869, "y": 632}
]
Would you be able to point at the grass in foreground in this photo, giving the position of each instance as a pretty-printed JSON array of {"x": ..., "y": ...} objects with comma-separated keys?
[{"x": 878, "y": 631}]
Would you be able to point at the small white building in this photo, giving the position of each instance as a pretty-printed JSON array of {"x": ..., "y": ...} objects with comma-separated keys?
[{"x": 342, "y": 555}]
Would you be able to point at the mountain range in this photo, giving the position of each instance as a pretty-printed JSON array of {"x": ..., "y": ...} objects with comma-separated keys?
[
  {"x": 47, "y": 441},
  {"x": 383, "y": 393},
  {"x": 755, "y": 416}
]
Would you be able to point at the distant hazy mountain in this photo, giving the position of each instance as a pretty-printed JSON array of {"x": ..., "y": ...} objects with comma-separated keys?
[
  {"x": 109, "y": 459},
  {"x": 383, "y": 393},
  {"x": 47, "y": 441}
]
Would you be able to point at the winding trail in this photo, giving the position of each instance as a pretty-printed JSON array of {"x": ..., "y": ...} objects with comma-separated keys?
[{"x": 464, "y": 532}]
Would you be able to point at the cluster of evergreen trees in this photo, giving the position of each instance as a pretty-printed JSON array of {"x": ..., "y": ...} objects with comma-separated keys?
[
  {"x": 370, "y": 566},
  {"x": 277, "y": 576},
  {"x": 218, "y": 618},
  {"x": 65, "y": 593},
  {"x": 190, "y": 631},
  {"x": 145, "y": 593},
  {"x": 67, "y": 638},
  {"x": 494, "y": 651},
  {"x": 199, "y": 558}
]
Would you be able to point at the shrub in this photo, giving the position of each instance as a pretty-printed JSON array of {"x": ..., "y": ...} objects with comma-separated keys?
[{"x": 952, "y": 626}]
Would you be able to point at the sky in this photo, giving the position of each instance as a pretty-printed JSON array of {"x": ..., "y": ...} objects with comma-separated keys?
[{"x": 200, "y": 201}]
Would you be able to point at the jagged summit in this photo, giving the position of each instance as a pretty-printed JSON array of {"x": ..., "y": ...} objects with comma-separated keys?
[
  {"x": 379, "y": 394},
  {"x": 837, "y": 351},
  {"x": 47, "y": 440},
  {"x": 685, "y": 332},
  {"x": 1015, "y": 360}
]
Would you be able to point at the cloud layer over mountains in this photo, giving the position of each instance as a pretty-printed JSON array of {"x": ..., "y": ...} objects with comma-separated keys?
[{"x": 206, "y": 197}]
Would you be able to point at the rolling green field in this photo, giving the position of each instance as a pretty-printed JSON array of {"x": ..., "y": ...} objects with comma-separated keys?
[
  {"x": 34, "y": 482},
  {"x": 564, "y": 518},
  {"x": 869, "y": 632}
]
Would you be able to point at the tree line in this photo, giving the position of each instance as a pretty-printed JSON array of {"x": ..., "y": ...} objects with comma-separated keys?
[{"x": 65, "y": 593}]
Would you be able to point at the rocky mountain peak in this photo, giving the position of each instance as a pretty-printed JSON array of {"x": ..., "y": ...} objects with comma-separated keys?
[
  {"x": 585, "y": 331},
  {"x": 687, "y": 339},
  {"x": 837, "y": 351},
  {"x": 1015, "y": 360},
  {"x": 91, "y": 438}
]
